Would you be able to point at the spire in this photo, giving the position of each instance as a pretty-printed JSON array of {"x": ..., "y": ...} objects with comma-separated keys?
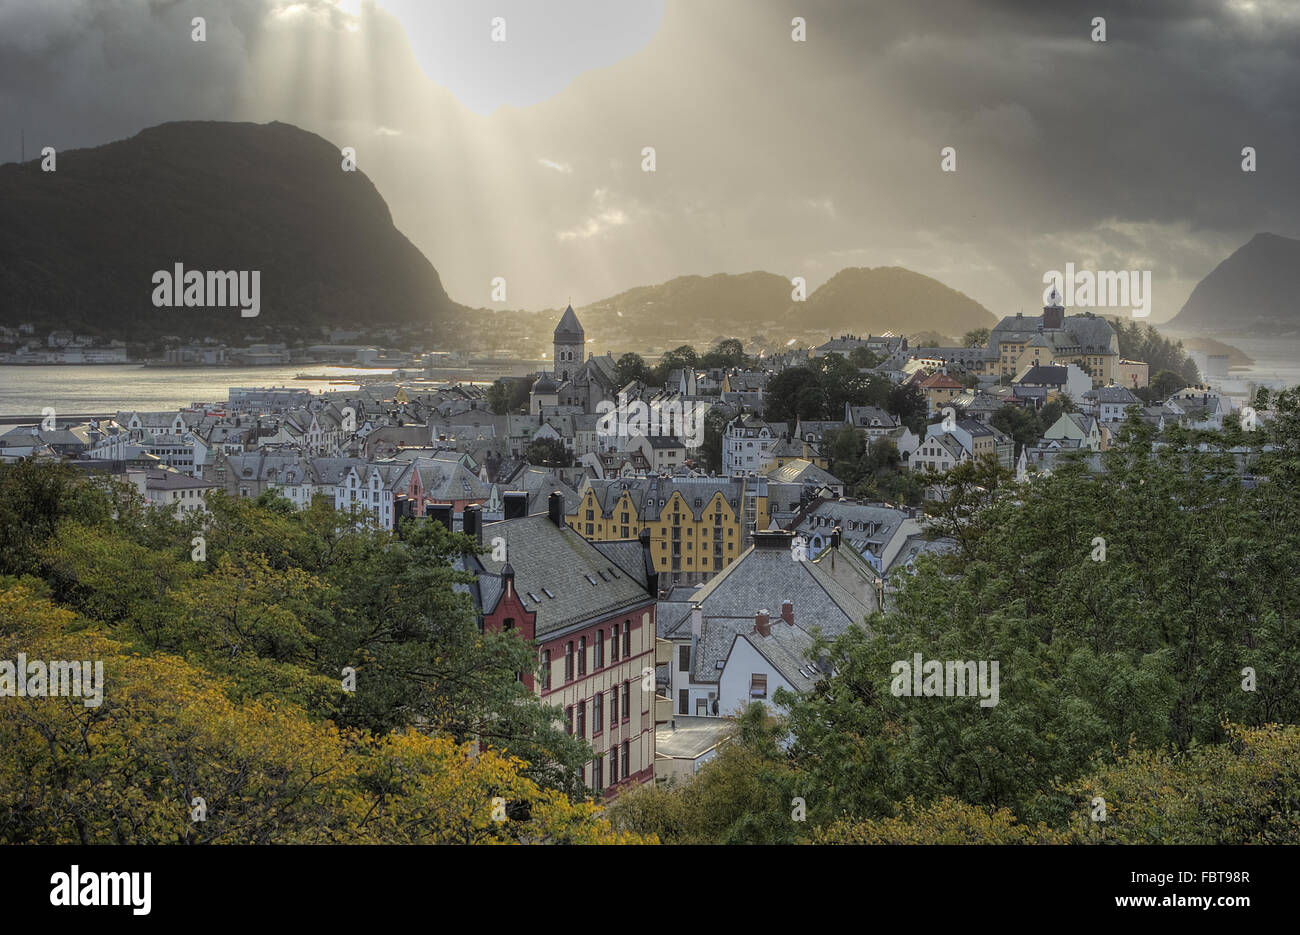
[{"x": 569, "y": 325}]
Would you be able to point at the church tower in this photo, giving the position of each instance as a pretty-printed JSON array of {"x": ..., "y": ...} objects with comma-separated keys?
[
  {"x": 569, "y": 344},
  {"x": 1054, "y": 311}
]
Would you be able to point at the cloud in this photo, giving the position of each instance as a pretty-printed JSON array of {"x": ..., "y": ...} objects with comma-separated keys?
[{"x": 771, "y": 154}]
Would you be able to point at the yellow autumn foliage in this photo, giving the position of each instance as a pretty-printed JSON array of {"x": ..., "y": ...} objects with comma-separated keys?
[{"x": 168, "y": 757}]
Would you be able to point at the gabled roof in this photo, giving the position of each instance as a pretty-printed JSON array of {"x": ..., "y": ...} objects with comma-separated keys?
[
  {"x": 1045, "y": 375},
  {"x": 785, "y": 649},
  {"x": 766, "y": 577},
  {"x": 564, "y": 579},
  {"x": 940, "y": 381},
  {"x": 802, "y": 472}
]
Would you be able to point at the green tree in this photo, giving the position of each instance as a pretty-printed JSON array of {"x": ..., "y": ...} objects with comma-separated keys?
[
  {"x": 727, "y": 353},
  {"x": 631, "y": 367},
  {"x": 548, "y": 452},
  {"x": 976, "y": 337},
  {"x": 864, "y": 358},
  {"x": 1020, "y": 423},
  {"x": 508, "y": 395},
  {"x": 676, "y": 359}
]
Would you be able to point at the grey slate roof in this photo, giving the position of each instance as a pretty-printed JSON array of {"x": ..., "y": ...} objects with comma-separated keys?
[
  {"x": 586, "y": 583},
  {"x": 568, "y": 326},
  {"x": 767, "y": 577},
  {"x": 784, "y": 647}
]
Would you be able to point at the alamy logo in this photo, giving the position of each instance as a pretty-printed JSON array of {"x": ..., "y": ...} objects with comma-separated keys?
[
  {"x": 1123, "y": 288},
  {"x": 674, "y": 419},
  {"x": 211, "y": 289},
  {"x": 102, "y": 889},
  {"x": 55, "y": 679},
  {"x": 951, "y": 679}
]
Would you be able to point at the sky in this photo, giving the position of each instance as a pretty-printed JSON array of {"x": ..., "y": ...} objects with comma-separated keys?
[{"x": 523, "y": 158}]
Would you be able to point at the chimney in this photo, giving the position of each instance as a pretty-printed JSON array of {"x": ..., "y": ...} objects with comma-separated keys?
[
  {"x": 787, "y": 612},
  {"x": 697, "y": 620},
  {"x": 762, "y": 623},
  {"x": 555, "y": 508},
  {"x": 836, "y": 537},
  {"x": 773, "y": 539},
  {"x": 516, "y": 504},
  {"x": 472, "y": 523},
  {"x": 651, "y": 574},
  {"x": 440, "y": 513}
]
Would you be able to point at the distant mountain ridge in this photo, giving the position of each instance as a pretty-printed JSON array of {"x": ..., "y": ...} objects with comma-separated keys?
[
  {"x": 78, "y": 246},
  {"x": 857, "y": 299},
  {"x": 1252, "y": 292}
]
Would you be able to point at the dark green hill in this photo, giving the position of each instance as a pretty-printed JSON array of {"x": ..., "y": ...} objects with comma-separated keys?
[{"x": 79, "y": 246}]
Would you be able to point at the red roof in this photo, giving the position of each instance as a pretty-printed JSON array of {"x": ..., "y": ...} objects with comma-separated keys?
[{"x": 940, "y": 381}]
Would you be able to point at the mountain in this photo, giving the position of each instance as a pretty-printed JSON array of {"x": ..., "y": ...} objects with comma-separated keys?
[
  {"x": 695, "y": 309},
  {"x": 890, "y": 297},
  {"x": 79, "y": 246},
  {"x": 1252, "y": 292}
]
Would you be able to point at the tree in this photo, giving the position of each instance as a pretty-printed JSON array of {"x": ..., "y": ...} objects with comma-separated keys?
[
  {"x": 727, "y": 353},
  {"x": 167, "y": 757},
  {"x": 548, "y": 452},
  {"x": 976, "y": 337},
  {"x": 794, "y": 393},
  {"x": 864, "y": 358},
  {"x": 1020, "y": 423},
  {"x": 631, "y": 367},
  {"x": 742, "y": 796},
  {"x": 1165, "y": 384},
  {"x": 908, "y": 403},
  {"x": 715, "y": 424},
  {"x": 845, "y": 449},
  {"x": 508, "y": 394},
  {"x": 676, "y": 359}
]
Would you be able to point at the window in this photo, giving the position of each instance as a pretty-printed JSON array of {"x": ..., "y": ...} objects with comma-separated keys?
[
  {"x": 627, "y": 700},
  {"x": 597, "y": 713},
  {"x": 582, "y": 719},
  {"x": 598, "y": 774},
  {"x": 613, "y": 644},
  {"x": 582, "y": 655},
  {"x": 758, "y": 686},
  {"x": 684, "y": 658},
  {"x": 568, "y": 661},
  {"x": 546, "y": 669},
  {"x": 568, "y": 719},
  {"x": 613, "y": 707},
  {"x": 627, "y": 760},
  {"x": 613, "y": 766},
  {"x": 627, "y": 638},
  {"x": 683, "y": 701}
]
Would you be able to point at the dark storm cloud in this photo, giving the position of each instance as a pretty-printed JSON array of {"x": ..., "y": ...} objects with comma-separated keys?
[{"x": 800, "y": 158}]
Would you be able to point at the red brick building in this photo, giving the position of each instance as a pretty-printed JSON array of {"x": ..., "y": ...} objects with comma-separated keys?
[{"x": 591, "y": 608}]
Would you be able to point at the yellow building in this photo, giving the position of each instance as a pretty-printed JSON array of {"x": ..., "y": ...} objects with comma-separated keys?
[
  {"x": 697, "y": 525},
  {"x": 1055, "y": 339}
]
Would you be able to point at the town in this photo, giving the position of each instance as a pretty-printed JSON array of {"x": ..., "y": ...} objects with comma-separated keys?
[{"x": 667, "y": 580}]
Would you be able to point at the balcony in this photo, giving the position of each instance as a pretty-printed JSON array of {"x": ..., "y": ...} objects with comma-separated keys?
[{"x": 663, "y": 709}]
